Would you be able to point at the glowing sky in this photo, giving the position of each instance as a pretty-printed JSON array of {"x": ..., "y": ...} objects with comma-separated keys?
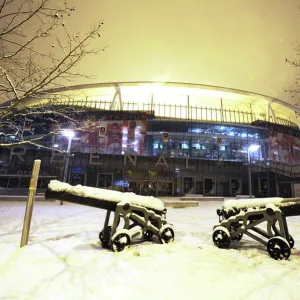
[{"x": 238, "y": 44}]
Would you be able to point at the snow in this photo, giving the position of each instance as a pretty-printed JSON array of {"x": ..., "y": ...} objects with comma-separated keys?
[
  {"x": 244, "y": 203},
  {"x": 108, "y": 195},
  {"x": 64, "y": 259},
  {"x": 229, "y": 204}
]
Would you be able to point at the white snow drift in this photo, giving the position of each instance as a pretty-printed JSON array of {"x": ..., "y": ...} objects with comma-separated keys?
[{"x": 64, "y": 259}]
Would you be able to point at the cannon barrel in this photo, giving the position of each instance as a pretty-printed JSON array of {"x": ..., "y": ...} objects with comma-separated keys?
[
  {"x": 288, "y": 206},
  {"x": 87, "y": 201},
  {"x": 291, "y": 207}
]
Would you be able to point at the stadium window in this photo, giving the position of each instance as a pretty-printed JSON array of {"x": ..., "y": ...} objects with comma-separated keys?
[
  {"x": 196, "y": 146},
  {"x": 3, "y": 182},
  {"x": 185, "y": 146}
]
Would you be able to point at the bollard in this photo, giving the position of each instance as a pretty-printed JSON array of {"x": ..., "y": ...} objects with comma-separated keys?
[{"x": 30, "y": 202}]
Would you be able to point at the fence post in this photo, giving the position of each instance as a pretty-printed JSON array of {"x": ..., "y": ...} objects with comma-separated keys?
[
  {"x": 30, "y": 201},
  {"x": 188, "y": 106}
]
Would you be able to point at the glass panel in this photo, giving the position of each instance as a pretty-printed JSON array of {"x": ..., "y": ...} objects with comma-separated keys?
[{"x": 209, "y": 186}]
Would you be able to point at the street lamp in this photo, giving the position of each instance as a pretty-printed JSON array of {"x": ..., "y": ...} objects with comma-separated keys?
[
  {"x": 251, "y": 148},
  {"x": 69, "y": 134}
]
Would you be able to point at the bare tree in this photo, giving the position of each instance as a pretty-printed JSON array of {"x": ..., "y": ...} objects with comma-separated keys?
[
  {"x": 295, "y": 89},
  {"x": 27, "y": 28}
]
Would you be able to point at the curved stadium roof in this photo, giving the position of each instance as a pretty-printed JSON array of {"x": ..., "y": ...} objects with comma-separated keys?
[{"x": 143, "y": 95}]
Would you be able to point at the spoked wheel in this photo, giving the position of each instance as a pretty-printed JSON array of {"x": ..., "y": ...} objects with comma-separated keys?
[
  {"x": 278, "y": 248},
  {"x": 120, "y": 241},
  {"x": 105, "y": 242},
  {"x": 291, "y": 241},
  {"x": 166, "y": 234},
  {"x": 147, "y": 234},
  {"x": 277, "y": 233},
  {"x": 221, "y": 237}
]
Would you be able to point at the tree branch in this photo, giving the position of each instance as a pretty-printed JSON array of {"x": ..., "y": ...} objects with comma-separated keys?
[
  {"x": 25, "y": 72},
  {"x": 10, "y": 82}
]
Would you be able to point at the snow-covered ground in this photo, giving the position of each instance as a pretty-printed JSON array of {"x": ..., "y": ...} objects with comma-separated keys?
[{"x": 64, "y": 259}]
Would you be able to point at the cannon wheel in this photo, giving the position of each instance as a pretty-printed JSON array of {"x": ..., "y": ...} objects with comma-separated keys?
[
  {"x": 105, "y": 243},
  {"x": 278, "y": 248},
  {"x": 166, "y": 234},
  {"x": 221, "y": 237},
  {"x": 291, "y": 242},
  {"x": 120, "y": 241}
]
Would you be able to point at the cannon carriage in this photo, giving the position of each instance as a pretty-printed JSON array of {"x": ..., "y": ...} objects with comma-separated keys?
[
  {"x": 142, "y": 215},
  {"x": 239, "y": 217}
]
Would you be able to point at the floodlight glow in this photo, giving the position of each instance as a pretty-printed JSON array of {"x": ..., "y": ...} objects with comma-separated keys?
[
  {"x": 69, "y": 133},
  {"x": 253, "y": 148},
  {"x": 55, "y": 145}
]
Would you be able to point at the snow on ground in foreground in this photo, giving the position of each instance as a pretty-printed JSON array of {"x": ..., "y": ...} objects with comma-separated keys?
[{"x": 64, "y": 259}]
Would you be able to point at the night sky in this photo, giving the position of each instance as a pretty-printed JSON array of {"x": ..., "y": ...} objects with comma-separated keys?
[{"x": 238, "y": 44}]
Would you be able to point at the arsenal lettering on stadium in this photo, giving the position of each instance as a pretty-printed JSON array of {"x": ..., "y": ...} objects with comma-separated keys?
[
  {"x": 121, "y": 115},
  {"x": 160, "y": 178}
]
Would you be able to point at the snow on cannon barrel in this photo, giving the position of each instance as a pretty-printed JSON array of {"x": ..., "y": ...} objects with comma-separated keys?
[
  {"x": 238, "y": 217},
  {"x": 142, "y": 215}
]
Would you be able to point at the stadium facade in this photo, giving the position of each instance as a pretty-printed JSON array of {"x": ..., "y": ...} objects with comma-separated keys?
[{"x": 167, "y": 139}]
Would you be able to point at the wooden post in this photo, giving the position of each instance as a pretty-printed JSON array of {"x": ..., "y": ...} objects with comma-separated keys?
[{"x": 30, "y": 202}]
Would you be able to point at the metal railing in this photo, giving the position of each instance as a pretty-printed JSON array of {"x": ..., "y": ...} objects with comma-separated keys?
[
  {"x": 19, "y": 191},
  {"x": 290, "y": 170},
  {"x": 178, "y": 112}
]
